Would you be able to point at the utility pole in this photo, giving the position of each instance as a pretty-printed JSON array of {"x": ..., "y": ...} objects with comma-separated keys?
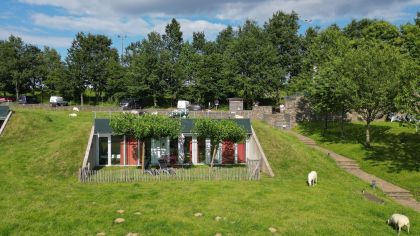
[{"x": 122, "y": 37}]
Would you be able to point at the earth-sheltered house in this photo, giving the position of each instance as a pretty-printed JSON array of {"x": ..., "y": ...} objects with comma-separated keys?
[
  {"x": 105, "y": 148},
  {"x": 5, "y": 114}
]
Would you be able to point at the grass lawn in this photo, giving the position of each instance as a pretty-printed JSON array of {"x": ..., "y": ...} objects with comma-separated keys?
[
  {"x": 41, "y": 152},
  {"x": 394, "y": 154}
]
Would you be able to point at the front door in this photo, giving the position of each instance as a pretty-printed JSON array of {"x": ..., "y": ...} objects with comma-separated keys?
[{"x": 159, "y": 147}]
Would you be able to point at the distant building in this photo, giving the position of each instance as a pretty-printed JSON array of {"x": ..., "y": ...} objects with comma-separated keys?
[{"x": 236, "y": 104}]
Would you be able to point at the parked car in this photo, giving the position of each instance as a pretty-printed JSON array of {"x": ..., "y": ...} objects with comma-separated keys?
[
  {"x": 23, "y": 99},
  {"x": 195, "y": 107},
  {"x": 7, "y": 99},
  {"x": 181, "y": 109},
  {"x": 58, "y": 101},
  {"x": 128, "y": 104}
]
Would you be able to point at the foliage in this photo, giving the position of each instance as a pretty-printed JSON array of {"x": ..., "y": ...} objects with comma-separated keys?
[
  {"x": 219, "y": 130},
  {"x": 145, "y": 126},
  {"x": 88, "y": 62}
]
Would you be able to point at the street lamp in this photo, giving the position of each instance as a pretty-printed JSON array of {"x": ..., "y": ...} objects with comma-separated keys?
[{"x": 122, "y": 37}]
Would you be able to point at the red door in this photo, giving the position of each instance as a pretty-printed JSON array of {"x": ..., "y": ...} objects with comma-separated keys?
[
  {"x": 133, "y": 151},
  {"x": 228, "y": 153},
  {"x": 241, "y": 153}
]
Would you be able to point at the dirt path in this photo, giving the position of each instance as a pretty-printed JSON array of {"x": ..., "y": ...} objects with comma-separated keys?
[{"x": 400, "y": 195}]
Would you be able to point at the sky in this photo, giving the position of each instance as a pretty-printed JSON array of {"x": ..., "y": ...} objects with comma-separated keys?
[{"x": 54, "y": 23}]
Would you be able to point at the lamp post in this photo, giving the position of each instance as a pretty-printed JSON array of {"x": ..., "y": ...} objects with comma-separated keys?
[{"x": 122, "y": 37}]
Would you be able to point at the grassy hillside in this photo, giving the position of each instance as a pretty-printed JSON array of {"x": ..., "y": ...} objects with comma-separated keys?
[
  {"x": 40, "y": 195},
  {"x": 394, "y": 154}
]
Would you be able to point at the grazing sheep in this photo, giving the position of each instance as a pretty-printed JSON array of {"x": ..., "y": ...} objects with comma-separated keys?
[
  {"x": 134, "y": 112},
  {"x": 154, "y": 113},
  {"x": 312, "y": 178},
  {"x": 76, "y": 109},
  {"x": 399, "y": 221},
  {"x": 72, "y": 115}
]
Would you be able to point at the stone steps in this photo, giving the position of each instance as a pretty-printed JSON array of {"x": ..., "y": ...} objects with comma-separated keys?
[
  {"x": 400, "y": 195},
  {"x": 348, "y": 164}
]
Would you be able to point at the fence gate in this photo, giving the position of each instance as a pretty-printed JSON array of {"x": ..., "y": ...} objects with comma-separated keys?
[{"x": 254, "y": 169}]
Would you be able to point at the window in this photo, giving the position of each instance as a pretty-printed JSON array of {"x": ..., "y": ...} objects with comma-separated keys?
[
  {"x": 117, "y": 152},
  {"x": 103, "y": 150},
  {"x": 201, "y": 143}
]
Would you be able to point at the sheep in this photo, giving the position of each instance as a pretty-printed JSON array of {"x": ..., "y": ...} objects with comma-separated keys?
[
  {"x": 134, "y": 112},
  {"x": 312, "y": 178},
  {"x": 72, "y": 115},
  {"x": 399, "y": 221},
  {"x": 76, "y": 109}
]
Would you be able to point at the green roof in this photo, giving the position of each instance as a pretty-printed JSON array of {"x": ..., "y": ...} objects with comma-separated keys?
[
  {"x": 102, "y": 125},
  {"x": 4, "y": 111}
]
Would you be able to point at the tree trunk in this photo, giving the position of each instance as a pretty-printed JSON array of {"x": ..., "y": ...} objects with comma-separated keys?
[
  {"x": 81, "y": 99},
  {"x": 367, "y": 142},
  {"x": 214, "y": 155},
  {"x": 325, "y": 123},
  {"x": 143, "y": 148},
  {"x": 342, "y": 121},
  {"x": 154, "y": 100},
  {"x": 17, "y": 91}
]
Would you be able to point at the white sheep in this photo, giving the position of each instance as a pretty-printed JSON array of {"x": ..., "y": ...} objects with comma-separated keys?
[
  {"x": 76, "y": 109},
  {"x": 399, "y": 221},
  {"x": 72, "y": 115},
  {"x": 312, "y": 178},
  {"x": 134, "y": 112}
]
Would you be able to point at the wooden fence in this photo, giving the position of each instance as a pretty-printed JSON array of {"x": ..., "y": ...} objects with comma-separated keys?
[{"x": 110, "y": 175}]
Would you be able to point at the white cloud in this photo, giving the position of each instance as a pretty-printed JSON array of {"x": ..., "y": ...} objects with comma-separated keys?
[
  {"x": 111, "y": 25},
  {"x": 210, "y": 29},
  {"x": 39, "y": 40},
  {"x": 324, "y": 10},
  {"x": 129, "y": 26}
]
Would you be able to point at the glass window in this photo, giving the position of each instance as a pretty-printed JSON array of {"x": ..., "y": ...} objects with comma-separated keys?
[
  {"x": 103, "y": 151},
  {"x": 173, "y": 151},
  {"x": 117, "y": 150},
  {"x": 188, "y": 150},
  {"x": 201, "y": 143}
]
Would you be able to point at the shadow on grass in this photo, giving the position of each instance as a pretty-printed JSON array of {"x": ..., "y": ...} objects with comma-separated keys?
[{"x": 401, "y": 151}]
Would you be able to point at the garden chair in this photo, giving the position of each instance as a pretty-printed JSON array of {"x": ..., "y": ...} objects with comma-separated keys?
[
  {"x": 164, "y": 168},
  {"x": 149, "y": 170}
]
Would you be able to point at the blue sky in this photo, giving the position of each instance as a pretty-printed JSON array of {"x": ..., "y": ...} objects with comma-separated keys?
[{"x": 55, "y": 22}]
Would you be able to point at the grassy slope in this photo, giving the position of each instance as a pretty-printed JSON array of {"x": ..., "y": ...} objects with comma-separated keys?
[
  {"x": 394, "y": 155},
  {"x": 40, "y": 195}
]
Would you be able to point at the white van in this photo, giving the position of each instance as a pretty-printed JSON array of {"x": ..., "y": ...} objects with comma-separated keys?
[{"x": 58, "y": 101}]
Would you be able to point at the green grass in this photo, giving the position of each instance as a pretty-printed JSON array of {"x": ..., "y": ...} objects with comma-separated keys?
[
  {"x": 394, "y": 154},
  {"x": 40, "y": 195}
]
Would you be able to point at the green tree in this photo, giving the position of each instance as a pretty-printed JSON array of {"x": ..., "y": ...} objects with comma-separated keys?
[
  {"x": 218, "y": 131},
  {"x": 254, "y": 63},
  {"x": 87, "y": 60},
  {"x": 7, "y": 62},
  {"x": 145, "y": 74},
  {"x": 375, "y": 69},
  {"x": 171, "y": 70},
  {"x": 327, "y": 90},
  {"x": 282, "y": 29}
]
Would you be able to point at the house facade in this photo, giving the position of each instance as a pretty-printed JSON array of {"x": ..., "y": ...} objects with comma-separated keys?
[{"x": 110, "y": 149}]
